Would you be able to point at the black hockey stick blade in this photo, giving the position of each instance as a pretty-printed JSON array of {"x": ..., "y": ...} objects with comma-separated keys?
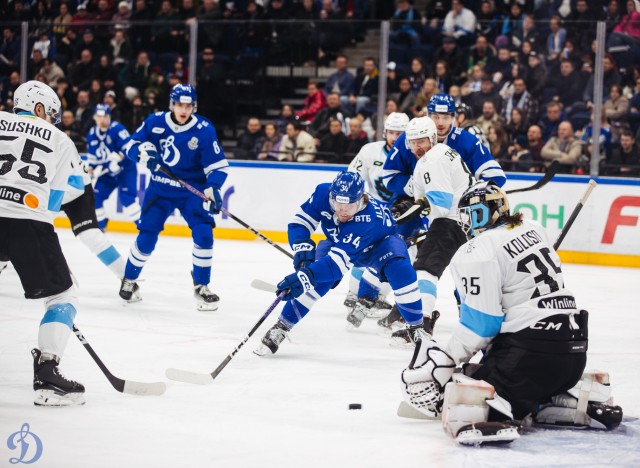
[
  {"x": 204, "y": 379},
  {"x": 549, "y": 174},
  {"x": 123, "y": 386}
]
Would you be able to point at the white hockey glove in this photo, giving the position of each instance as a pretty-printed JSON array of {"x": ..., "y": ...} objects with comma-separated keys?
[
  {"x": 214, "y": 205},
  {"x": 424, "y": 379},
  {"x": 114, "y": 163},
  {"x": 148, "y": 155}
]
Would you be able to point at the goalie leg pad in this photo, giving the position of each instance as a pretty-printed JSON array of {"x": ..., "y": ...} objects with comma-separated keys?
[
  {"x": 587, "y": 405},
  {"x": 465, "y": 402}
]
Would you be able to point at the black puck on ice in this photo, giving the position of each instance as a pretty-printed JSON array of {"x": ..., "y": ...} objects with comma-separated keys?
[{"x": 355, "y": 406}]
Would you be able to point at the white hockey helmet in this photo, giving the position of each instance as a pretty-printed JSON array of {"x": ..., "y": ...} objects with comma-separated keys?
[
  {"x": 422, "y": 127},
  {"x": 396, "y": 121},
  {"x": 31, "y": 93}
]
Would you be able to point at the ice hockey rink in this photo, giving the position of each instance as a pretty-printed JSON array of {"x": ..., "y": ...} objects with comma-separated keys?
[{"x": 287, "y": 410}]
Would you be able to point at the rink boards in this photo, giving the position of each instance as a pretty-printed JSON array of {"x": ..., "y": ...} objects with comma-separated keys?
[{"x": 266, "y": 195}]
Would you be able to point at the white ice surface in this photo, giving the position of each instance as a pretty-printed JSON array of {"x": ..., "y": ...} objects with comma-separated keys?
[{"x": 287, "y": 410}]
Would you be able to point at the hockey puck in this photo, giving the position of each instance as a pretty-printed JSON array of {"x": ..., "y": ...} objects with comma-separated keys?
[{"x": 355, "y": 406}]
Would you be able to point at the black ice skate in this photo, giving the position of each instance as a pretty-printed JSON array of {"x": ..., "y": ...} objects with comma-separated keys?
[
  {"x": 51, "y": 387},
  {"x": 375, "y": 309},
  {"x": 271, "y": 341},
  {"x": 129, "y": 290},
  {"x": 406, "y": 337},
  {"x": 206, "y": 300},
  {"x": 350, "y": 300},
  {"x": 391, "y": 322}
]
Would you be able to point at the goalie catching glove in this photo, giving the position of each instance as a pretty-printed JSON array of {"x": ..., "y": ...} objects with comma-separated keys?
[
  {"x": 214, "y": 205},
  {"x": 424, "y": 379},
  {"x": 406, "y": 209},
  {"x": 296, "y": 284},
  {"x": 304, "y": 254}
]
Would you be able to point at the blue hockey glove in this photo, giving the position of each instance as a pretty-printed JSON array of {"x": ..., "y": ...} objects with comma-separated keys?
[
  {"x": 148, "y": 155},
  {"x": 304, "y": 254},
  {"x": 215, "y": 203},
  {"x": 296, "y": 283}
]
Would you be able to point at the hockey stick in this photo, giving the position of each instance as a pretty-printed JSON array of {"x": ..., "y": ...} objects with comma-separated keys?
[
  {"x": 263, "y": 286},
  {"x": 199, "y": 194},
  {"x": 549, "y": 174},
  {"x": 204, "y": 379},
  {"x": 592, "y": 184},
  {"x": 123, "y": 386}
]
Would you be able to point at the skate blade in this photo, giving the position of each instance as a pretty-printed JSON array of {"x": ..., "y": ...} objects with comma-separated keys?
[
  {"x": 475, "y": 437},
  {"x": 376, "y": 313},
  {"x": 207, "y": 306},
  {"x": 400, "y": 343},
  {"x": 54, "y": 399},
  {"x": 262, "y": 350}
]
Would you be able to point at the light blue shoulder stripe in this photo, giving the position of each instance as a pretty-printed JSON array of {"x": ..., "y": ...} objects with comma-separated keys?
[
  {"x": 442, "y": 199},
  {"x": 55, "y": 200},
  {"x": 480, "y": 323}
]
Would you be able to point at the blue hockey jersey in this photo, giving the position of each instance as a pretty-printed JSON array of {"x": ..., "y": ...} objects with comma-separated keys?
[
  {"x": 191, "y": 152},
  {"x": 401, "y": 162},
  {"x": 352, "y": 240},
  {"x": 101, "y": 144}
]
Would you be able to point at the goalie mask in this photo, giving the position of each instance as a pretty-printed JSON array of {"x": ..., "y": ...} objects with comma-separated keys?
[
  {"x": 346, "y": 195},
  {"x": 481, "y": 207},
  {"x": 28, "y": 95}
]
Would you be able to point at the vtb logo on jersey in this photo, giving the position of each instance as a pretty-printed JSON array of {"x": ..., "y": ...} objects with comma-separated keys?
[{"x": 169, "y": 151}]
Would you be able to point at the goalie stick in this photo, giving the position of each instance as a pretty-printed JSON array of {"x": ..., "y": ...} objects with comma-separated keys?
[
  {"x": 204, "y": 379},
  {"x": 123, "y": 386},
  {"x": 199, "y": 194},
  {"x": 574, "y": 214},
  {"x": 549, "y": 174}
]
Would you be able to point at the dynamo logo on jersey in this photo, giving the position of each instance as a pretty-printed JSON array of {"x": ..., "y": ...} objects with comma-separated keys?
[{"x": 170, "y": 152}]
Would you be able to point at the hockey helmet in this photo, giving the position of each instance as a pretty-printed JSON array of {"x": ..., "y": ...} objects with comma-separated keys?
[
  {"x": 441, "y": 104},
  {"x": 396, "y": 121},
  {"x": 481, "y": 206},
  {"x": 185, "y": 94},
  {"x": 422, "y": 127},
  {"x": 102, "y": 110},
  {"x": 464, "y": 109},
  {"x": 32, "y": 93},
  {"x": 346, "y": 193}
]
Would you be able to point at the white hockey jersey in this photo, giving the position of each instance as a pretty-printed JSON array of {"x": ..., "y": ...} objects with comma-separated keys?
[
  {"x": 35, "y": 163},
  {"x": 77, "y": 181},
  {"x": 508, "y": 279},
  {"x": 442, "y": 177},
  {"x": 369, "y": 163}
]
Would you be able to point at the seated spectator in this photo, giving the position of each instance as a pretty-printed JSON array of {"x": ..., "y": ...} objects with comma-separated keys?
[
  {"x": 610, "y": 77},
  {"x": 568, "y": 84},
  {"x": 392, "y": 78},
  {"x": 83, "y": 72},
  {"x": 625, "y": 159},
  {"x": 460, "y": 23},
  {"x": 320, "y": 125},
  {"x": 535, "y": 75},
  {"x": 627, "y": 32},
  {"x": 83, "y": 112},
  {"x": 363, "y": 89},
  {"x": 534, "y": 145},
  {"x": 405, "y": 24},
  {"x": 120, "y": 49},
  {"x": 340, "y": 80},
  {"x": 487, "y": 93},
  {"x": 122, "y": 18},
  {"x": 481, "y": 53},
  {"x": 136, "y": 74},
  {"x": 564, "y": 148},
  {"x": 519, "y": 156},
  {"x": 550, "y": 121},
  {"x": 417, "y": 74},
  {"x": 615, "y": 110},
  {"x": 451, "y": 53},
  {"x": 285, "y": 118},
  {"x": 499, "y": 144},
  {"x": 111, "y": 100},
  {"x": 489, "y": 118},
  {"x": 474, "y": 83},
  {"x": 499, "y": 67},
  {"x": 518, "y": 123},
  {"x": 489, "y": 21},
  {"x": 180, "y": 70},
  {"x": 442, "y": 76},
  {"x": 513, "y": 23},
  {"x": 605, "y": 138},
  {"x": 356, "y": 139},
  {"x": 634, "y": 107},
  {"x": 429, "y": 89},
  {"x": 69, "y": 126},
  {"x": 313, "y": 103},
  {"x": 270, "y": 143},
  {"x": 136, "y": 114},
  {"x": 529, "y": 33},
  {"x": 520, "y": 99},
  {"x": 213, "y": 90},
  {"x": 297, "y": 145},
  {"x": 61, "y": 22},
  {"x": 333, "y": 144},
  {"x": 250, "y": 141},
  {"x": 556, "y": 39},
  {"x": 405, "y": 97},
  {"x": 52, "y": 72}
]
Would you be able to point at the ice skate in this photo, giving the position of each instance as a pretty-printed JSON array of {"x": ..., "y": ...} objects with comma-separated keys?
[
  {"x": 129, "y": 291},
  {"x": 51, "y": 387},
  {"x": 488, "y": 433},
  {"x": 272, "y": 339},
  {"x": 349, "y": 301},
  {"x": 391, "y": 322},
  {"x": 403, "y": 339},
  {"x": 379, "y": 309},
  {"x": 206, "y": 300},
  {"x": 357, "y": 314}
]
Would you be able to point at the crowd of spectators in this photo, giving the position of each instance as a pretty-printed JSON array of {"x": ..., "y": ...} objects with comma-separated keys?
[{"x": 523, "y": 69}]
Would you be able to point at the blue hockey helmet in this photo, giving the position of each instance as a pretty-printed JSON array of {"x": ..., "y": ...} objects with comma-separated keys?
[
  {"x": 346, "y": 194},
  {"x": 185, "y": 94},
  {"x": 102, "y": 110},
  {"x": 481, "y": 206},
  {"x": 441, "y": 104}
]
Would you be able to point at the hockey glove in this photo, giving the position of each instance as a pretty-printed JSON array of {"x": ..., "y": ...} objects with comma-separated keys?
[
  {"x": 406, "y": 210},
  {"x": 148, "y": 155},
  {"x": 114, "y": 163},
  {"x": 304, "y": 254},
  {"x": 214, "y": 205},
  {"x": 296, "y": 283}
]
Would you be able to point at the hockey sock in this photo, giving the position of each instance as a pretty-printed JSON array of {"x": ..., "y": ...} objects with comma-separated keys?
[
  {"x": 402, "y": 278},
  {"x": 139, "y": 254},
  {"x": 133, "y": 211},
  {"x": 98, "y": 243},
  {"x": 354, "y": 279},
  {"x": 101, "y": 216},
  {"x": 428, "y": 289},
  {"x": 56, "y": 325},
  {"x": 367, "y": 290},
  {"x": 202, "y": 259}
]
